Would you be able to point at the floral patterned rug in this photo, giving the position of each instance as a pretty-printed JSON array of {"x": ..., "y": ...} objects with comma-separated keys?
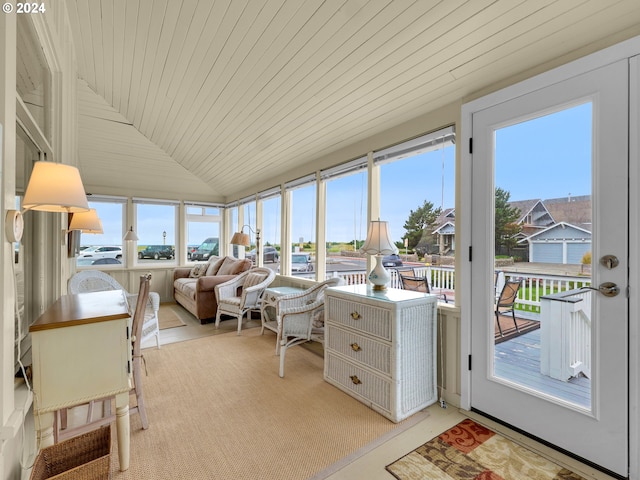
[{"x": 470, "y": 451}]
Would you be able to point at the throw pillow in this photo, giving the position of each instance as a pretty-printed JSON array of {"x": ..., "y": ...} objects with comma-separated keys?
[
  {"x": 233, "y": 266},
  {"x": 198, "y": 270},
  {"x": 213, "y": 265},
  {"x": 227, "y": 266}
]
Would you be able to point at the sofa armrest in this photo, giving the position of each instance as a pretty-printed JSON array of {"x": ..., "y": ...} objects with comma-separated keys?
[{"x": 181, "y": 273}]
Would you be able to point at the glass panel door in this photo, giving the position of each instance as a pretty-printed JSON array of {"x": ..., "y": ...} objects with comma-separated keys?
[{"x": 550, "y": 251}]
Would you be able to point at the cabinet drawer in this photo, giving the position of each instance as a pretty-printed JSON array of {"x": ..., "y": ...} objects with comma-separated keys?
[
  {"x": 366, "y": 318},
  {"x": 361, "y": 382},
  {"x": 372, "y": 353}
]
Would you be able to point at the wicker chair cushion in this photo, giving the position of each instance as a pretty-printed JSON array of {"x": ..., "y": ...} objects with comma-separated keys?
[
  {"x": 317, "y": 318},
  {"x": 253, "y": 279}
]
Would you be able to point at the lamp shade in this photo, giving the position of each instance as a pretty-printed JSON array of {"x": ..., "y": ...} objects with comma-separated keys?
[
  {"x": 130, "y": 236},
  {"x": 55, "y": 187},
  {"x": 240, "y": 238},
  {"x": 378, "y": 239},
  {"x": 87, "y": 222}
]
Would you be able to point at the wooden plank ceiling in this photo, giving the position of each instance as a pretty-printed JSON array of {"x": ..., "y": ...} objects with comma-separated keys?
[{"x": 238, "y": 92}]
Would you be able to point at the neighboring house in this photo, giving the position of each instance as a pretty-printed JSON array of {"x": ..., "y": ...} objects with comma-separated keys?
[
  {"x": 539, "y": 218},
  {"x": 445, "y": 230},
  {"x": 566, "y": 233},
  {"x": 559, "y": 243}
]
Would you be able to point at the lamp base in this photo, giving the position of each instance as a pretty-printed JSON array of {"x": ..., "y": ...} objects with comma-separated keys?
[{"x": 379, "y": 276}]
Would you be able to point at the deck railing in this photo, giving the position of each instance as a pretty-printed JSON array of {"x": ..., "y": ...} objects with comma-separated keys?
[
  {"x": 442, "y": 278},
  {"x": 565, "y": 334}
]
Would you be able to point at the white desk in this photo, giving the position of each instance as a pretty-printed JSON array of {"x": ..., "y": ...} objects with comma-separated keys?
[
  {"x": 270, "y": 301},
  {"x": 82, "y": 352}
]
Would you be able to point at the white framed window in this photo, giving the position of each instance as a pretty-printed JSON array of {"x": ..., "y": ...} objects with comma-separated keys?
[
  {"x": 203, "y": 222},
  {"x": 104, "y": 250},
  {"x": 156, "y": 222}
]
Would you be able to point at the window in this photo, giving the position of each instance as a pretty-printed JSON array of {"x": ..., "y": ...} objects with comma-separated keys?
[
  {"x": 303, "y": 224},
  {"x": 233, "y": 228},
  {"x": 111, "y": 213},
  {"x": 202, "y": 223},
  {"x": 271, "y": 208},
  {"x": 156, "y": 230},
  {"x": 346, "y": 212},
  {"x": 247, "y": 216},
  {"x": 417, "y": 194}
]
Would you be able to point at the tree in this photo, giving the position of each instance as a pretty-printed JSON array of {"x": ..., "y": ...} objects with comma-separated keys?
[
  {"x": 506, "y": 216},
  {"x": 419, "y": 227}
]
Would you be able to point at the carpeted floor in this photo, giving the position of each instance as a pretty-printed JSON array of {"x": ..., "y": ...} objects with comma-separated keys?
[
  {"x": 218, "y": 410},
  {"x": 470, "y": 451}
]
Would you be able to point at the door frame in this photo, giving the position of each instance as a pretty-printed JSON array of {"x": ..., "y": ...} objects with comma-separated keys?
[{"x": 624, "y": 50}]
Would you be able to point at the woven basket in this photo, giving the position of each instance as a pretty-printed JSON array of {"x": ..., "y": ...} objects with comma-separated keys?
[{"x": 85, "y": 457}]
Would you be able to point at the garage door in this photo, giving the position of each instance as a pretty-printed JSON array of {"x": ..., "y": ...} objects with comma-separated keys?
[
  {"x": 575, "y": 251},
  {"x": 547, "y": 252}
]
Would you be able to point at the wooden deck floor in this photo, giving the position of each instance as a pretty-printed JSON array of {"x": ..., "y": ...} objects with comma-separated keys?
[{"x": 518, "y": 360}]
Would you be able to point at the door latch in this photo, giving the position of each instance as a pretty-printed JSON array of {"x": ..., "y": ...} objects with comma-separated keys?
[{"x": 609, "y": 261}]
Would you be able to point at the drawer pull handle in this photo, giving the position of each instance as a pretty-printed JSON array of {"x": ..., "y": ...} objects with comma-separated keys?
[
  {"x": 355, "y": 379},
  {"x": 355, "y": 347},
  {"x": 356, "y": 316}
]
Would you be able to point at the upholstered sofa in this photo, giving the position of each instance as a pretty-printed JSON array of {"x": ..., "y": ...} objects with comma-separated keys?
[{"x": 194, "y": 288}]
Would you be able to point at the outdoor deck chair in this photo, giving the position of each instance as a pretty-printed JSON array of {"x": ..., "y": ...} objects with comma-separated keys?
[
  {"x": 418, "y": 284},
  {"x": 506, "y": 302}
]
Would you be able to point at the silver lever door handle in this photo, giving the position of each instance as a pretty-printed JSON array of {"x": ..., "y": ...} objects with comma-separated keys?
[{"x": 608, "y": 289}]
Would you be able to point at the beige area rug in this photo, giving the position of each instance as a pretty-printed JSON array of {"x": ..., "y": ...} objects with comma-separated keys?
[
  {"x": 218, "y": 410},
  {"x": 471, "y": 451},
  {"x": 168, "y": 317}
]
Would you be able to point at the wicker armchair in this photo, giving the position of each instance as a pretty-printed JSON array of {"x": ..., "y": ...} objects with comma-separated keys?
[
  {"x": 302, "y": 317},
  {"x": 96, "y": 281},
  {"x": 242, "y": 294}
]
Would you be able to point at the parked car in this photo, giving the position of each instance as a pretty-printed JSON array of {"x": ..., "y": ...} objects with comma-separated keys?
[
  {"x": 206, "y": 249},
  {"x": 301, "y": 262},
  {"x": 106, "y": 261},
  {"x": 101, "y": 252},
  {"x": 392, "y": 261},
  {"x": 269, "y": 254},
  {"x": 157, "y": 252},
  {"x": 191, "y": 249}
]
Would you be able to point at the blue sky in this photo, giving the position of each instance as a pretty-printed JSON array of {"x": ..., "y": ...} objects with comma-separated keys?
[{"x": 546, "y": 157}]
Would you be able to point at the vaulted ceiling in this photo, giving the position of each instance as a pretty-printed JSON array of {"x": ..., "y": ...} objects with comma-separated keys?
[{"x": 219, "y": 96}]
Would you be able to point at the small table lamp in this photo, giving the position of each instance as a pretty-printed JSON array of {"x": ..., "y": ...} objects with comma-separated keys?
[
  {"x": 379, "y": 243},
  {"x": 241, "y": 238}
]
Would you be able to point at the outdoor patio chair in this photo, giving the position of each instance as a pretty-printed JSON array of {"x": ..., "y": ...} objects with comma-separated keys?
[
  {"x": 418, "y": 284},
  {"x": 506, "y": 302}
]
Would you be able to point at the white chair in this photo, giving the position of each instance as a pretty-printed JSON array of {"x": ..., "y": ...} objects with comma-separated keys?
[
  {"x": 242, "y": 294},
  {"x": 96, "y": 281},
  {"x": 302, "y": 317}
]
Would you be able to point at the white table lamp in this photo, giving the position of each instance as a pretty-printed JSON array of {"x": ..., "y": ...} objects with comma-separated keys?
[{"x": 379, "y": 243}]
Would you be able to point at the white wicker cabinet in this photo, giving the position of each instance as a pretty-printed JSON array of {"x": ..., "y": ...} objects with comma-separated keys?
[{"x": 380, "y": 348}]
